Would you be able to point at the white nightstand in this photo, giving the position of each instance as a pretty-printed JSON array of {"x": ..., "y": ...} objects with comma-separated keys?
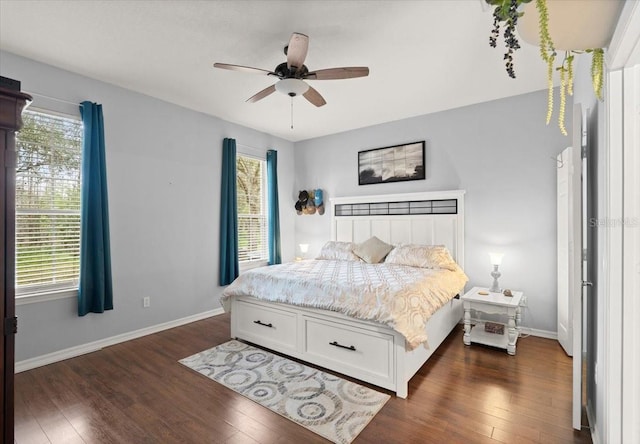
[{"x": 492, "y": 303}]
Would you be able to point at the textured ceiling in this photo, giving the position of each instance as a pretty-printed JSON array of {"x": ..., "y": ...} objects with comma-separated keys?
[{"x": 424, "y": 56}]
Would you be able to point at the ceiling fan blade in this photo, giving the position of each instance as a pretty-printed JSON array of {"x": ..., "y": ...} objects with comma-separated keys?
[
  {"x": 297, "y": 50},
  {"x": 314, "y": 97},
  {"x": 338, "y": 73},
  {"x": 241, "y": 68},
  {"x": 262, "y": 94}
]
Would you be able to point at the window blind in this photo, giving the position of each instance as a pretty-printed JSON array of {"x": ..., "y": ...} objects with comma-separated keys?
[
  {"x": 252, "y": 214},
  {"x": 48, "y": 202}
]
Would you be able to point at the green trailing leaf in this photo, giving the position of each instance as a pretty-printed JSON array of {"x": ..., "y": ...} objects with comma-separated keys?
[
  {"x": 506, "y": 13},
  {"x": 563, "y": 98},
  {"x": 549, "y": 91},
  {"x": 569, "y": 60},
  {"x": 597, "y": 67},
  {"x": 547, "y": 51}
]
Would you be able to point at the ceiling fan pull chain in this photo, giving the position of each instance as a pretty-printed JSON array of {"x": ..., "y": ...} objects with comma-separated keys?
[{"x": 291, "y": 113}]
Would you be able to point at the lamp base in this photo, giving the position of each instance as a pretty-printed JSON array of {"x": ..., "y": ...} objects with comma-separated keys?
[{"x": 495, "y": 274}]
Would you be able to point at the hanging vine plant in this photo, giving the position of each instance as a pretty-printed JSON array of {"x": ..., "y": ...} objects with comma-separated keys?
[
  {"x": 547, "y": 51},
  {"x": 506, "y": 13}
]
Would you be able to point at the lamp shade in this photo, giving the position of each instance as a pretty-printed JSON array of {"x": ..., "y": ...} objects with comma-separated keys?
[
  {"x": 496, "y": 258},
  {"x": 304, "y": 248}
]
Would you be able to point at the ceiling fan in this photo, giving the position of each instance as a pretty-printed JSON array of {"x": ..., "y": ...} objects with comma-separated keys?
[{"x": 293, "y": 72}]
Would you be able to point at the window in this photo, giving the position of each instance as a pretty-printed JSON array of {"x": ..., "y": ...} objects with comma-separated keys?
[
  {"x": 48, "y": 203},
  {"x": 252, "y": 211}
]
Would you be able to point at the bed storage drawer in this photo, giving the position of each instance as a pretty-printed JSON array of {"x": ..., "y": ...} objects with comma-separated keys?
[
  {"x": 272, "y": 328},
  {"x": 366, "y": 354}
]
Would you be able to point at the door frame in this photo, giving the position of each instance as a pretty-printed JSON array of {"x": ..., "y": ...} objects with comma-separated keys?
[
  {"x": 622, "y": 256},
  {"x": 631, "y": 257},
  {"x": 579, "y": 293}
]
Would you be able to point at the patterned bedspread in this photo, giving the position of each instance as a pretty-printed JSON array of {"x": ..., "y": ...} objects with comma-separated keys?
[{"x": 398, "y": 296}]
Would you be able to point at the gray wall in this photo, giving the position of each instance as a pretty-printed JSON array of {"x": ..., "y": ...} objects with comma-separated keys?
[
  {"x": 163, "y": 166},
  {"x": 500, "y": 152},
  {"x": 164, "y": 184}
]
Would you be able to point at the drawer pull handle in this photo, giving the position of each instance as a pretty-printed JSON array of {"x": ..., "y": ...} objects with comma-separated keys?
[
  {"x": 262, "y": 323},
  {"x": 335, "y": 344}
]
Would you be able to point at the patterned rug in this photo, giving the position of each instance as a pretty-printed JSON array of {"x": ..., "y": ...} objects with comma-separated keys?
[{"x": 323, "y": 403}]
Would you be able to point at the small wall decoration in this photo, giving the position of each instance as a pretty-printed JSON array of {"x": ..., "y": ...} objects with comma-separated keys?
[
  {"x": 310, "y": 202},
  {"x": 391, "y": 164}
]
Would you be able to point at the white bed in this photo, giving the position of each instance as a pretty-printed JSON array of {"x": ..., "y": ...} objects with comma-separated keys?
[{"x": 365, "y": 350}]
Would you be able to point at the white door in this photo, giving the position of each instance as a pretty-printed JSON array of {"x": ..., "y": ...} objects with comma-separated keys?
[
  {"x": 565, "y": 315},
  {"x": 569, "y": 248},
  {"x": 571, "y": 217}
]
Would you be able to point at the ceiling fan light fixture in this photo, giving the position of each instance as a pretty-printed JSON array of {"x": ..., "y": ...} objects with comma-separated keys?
[
  {"x": 292, "y": 73},
  {"x": 292, "y": 87}
]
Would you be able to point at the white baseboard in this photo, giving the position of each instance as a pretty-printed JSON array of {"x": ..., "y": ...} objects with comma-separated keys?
[
  {"x": 78, "y": 350},
  {"x": 539, "y": 333}
]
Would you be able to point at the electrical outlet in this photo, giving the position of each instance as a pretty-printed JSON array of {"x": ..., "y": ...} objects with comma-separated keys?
[
  {"x": 523, "y": 301},
  {"x": 146, "y": 302}
]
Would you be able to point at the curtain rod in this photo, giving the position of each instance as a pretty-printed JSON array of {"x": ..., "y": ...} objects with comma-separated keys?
[
  {"x": 53, "y": 98},
  {"x": 253, "y": 148},
  {"x": 249, "y": 146}
]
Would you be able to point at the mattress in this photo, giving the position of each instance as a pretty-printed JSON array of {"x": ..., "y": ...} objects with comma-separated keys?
[{"x": 398, "y": 296}]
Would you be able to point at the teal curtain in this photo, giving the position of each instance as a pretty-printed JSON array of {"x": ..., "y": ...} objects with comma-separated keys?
[
  {"x": 95, "y": 294},
  {"x": 273, "y": 217},
  {"x": 229, "y": 265}
]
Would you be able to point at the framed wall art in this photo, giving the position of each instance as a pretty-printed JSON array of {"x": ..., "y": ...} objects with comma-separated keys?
[{"x": 396, "y": 163}]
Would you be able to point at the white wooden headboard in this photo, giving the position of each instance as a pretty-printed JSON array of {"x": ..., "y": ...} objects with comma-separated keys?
[{"x": 428, "y": 218}]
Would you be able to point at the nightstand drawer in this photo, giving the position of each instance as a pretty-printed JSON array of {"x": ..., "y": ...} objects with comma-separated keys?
[{"x": 484, "y": 308}]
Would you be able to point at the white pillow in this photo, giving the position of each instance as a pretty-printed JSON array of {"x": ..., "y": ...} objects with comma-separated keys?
[
  {"x": 373, "y": 250},
  {"x": 422, "y": 256},
  {"x": 338, "y": 251}
]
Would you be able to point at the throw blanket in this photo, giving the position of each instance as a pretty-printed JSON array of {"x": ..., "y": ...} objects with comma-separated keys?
[{"x": 398, "y": 296}]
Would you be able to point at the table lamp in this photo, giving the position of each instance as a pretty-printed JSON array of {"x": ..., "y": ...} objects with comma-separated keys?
[{"x": 496, "y": 260}]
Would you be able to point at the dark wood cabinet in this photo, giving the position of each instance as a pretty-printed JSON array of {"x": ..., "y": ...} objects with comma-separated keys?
[{"x": 11, "y": 105}]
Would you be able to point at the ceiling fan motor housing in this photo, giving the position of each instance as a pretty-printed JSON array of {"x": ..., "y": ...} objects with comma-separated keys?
[{"x": 284, "y": 72}]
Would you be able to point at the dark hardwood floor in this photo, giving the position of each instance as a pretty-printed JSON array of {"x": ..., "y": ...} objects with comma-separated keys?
[{"x": 137, "y": 392}]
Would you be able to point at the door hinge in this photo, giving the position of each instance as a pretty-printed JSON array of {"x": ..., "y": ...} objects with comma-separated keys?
[
  {"x": 10, "y": 326},
  {"x": 585, "y": 255},
  {"x": 584, "y": 152}
]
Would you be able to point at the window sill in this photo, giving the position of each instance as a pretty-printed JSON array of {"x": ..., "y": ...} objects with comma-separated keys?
[
  {"x": 51, "y": 295},
  {"x": 246, "y": 266}
]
